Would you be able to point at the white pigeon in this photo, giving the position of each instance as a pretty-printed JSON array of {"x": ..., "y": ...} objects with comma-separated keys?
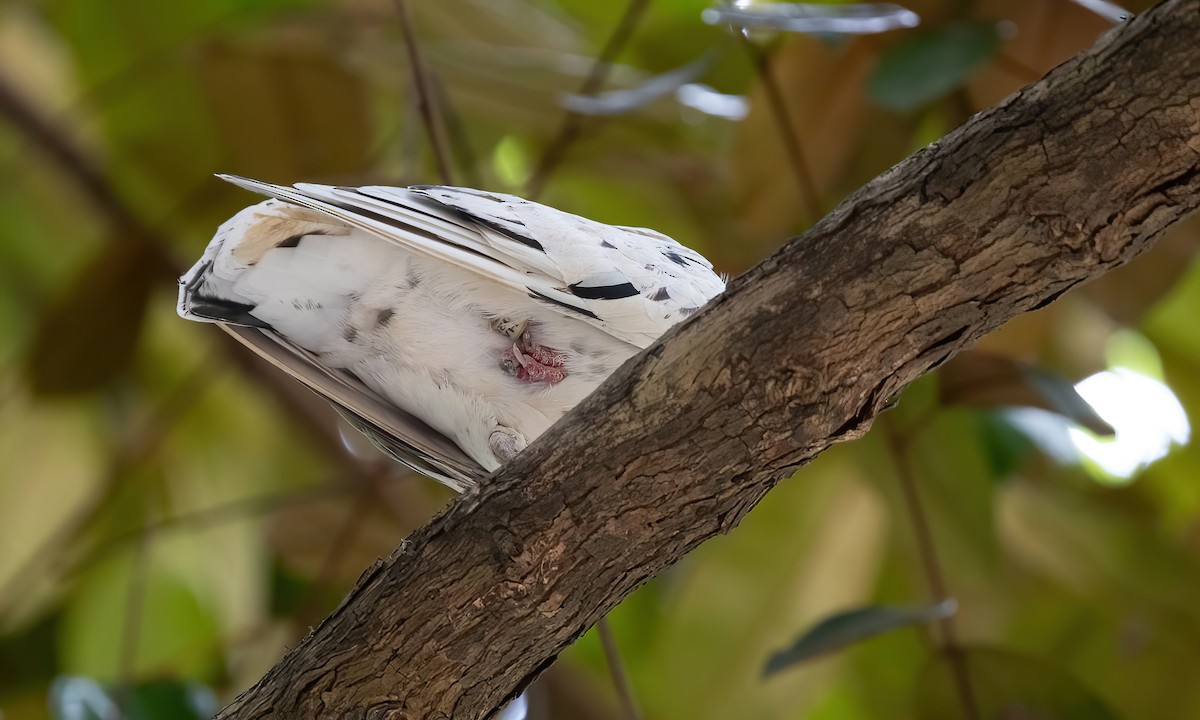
[{"x": 453, "y": 326}]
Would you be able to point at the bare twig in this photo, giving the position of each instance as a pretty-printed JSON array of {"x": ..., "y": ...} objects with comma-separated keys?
[
  {"x": 54, "y": 143},
  {"x": 211, "y": 516},
  {"x": 616, "y": 668},
  {"x": 784, "y": 126},
  {"x": 338, "y": 545},
  {"x": 428, "y": 106},
  {"x": 456, "y": 132},
  {"x": 131, "y": 628},
  {"x": 572, "y": 123},
  {"x": 933, "y": 571}
]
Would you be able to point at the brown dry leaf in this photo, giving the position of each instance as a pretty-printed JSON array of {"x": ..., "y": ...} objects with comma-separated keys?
[
  {"x": 287, "y": 112},
  {"x": 822, "y": 85},
  {"x": 1048, "y": 32},
  {"x": 90, "y": 332}
]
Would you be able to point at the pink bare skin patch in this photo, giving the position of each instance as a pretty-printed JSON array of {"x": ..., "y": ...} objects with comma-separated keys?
[
  {"x": 534, "y": 363},
  {"x": 526, "y": 360}
]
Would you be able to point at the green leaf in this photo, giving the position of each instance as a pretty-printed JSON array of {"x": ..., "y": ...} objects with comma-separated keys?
[
  {"x": 811, "y": 546},
  {"x": 979, "y": 379},
  {"x": 82, "y": 698},
  {"x": 1004, "y": 446},
  {"x": 930, "y": 65},
  {"x": 1006, "y": 684},
  {"x": 286, "y": 111},
  {"x": 176, "y": 633},
  {"x": 844, "y": 629}
]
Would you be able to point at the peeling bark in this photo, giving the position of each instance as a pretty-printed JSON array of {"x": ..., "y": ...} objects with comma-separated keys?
[{"x": 1066, "y": 180}]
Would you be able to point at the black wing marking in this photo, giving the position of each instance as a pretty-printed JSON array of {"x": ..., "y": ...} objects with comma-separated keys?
[
  {"x": 604, "y": 292},
  {"x": 545, "y": 298}
]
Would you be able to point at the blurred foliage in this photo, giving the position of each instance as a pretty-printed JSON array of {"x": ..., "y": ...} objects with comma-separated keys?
[{"x": 172, "y": 516}]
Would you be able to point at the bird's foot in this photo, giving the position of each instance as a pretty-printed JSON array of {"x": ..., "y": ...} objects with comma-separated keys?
[
  {"x": 526, "y": 367},
  {"x": 505, "y": 443},
  {"x": 544, "y": 355},
  {"x": 529, "y": 362}
]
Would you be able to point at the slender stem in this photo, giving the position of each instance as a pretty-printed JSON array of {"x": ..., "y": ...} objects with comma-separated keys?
[
  {"x": 54, "y": 143},
  {"x": 131, "y": 629},
  {"x": 572, "y": 123},
  {"x": 616, "y": 668},
  {"x": 933, "y": 571},
  {"x": 460, "y": 142},
  {"x": 212, "y": 516},
  {"x": 784, "y": 126},
  {"x": 426, "y": 104},
  {"x": 345, "y": 536}
]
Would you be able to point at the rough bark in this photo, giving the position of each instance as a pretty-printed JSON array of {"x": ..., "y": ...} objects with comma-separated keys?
[{"x": 1063, "y": 182}]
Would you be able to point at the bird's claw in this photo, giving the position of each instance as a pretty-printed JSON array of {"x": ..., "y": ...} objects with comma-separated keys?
[{"x": 530, "y": 362}]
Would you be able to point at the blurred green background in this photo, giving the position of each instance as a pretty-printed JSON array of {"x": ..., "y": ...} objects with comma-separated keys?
[{"x": 174, "y": 514}]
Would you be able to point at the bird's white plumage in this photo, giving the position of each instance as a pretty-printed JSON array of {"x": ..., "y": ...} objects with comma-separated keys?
[{"x": 404, "y": 289}]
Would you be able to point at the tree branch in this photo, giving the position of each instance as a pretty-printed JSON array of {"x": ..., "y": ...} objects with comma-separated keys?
[{"x": 1066, "y": 180}]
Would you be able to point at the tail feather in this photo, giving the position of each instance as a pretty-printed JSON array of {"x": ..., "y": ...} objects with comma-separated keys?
[{"x": 255, "y": 294}]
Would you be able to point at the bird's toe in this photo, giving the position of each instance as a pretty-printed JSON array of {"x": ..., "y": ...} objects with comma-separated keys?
[{"x": 505, "y": 443}]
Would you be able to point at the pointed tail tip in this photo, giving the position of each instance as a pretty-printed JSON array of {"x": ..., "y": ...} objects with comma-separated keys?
[{"x": 244, "y": 182}]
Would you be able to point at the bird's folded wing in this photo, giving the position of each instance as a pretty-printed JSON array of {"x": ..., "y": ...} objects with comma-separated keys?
[
  {"x": 400, "y": 435},
  {"x": 632, "y": 283}
]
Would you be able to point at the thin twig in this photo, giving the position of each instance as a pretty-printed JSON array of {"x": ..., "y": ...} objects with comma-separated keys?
[
  {"x": 131, "y": 628},
  {"x": 215, "y": 515},
  {"x": 54, "y": 143},
  {"x": 430, "y": 110},
  {"x": 572, "y": 123},
  {"x": 616, "y": 668},
  {"x": 784, "y": 126},
  {"x": 456, "y": 132},
  {"x": 342, "y": 540},
  {"x": 933, "y": 572}
]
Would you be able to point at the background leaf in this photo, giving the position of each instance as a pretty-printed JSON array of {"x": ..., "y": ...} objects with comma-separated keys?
[
  {"x": 978, "y": 379},
  {"x": 86, "y": 337},
  {"x": 929, "y": 65},
  {"x": 1008, "y": 685},
  {"x": 846, "y": 628}
]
